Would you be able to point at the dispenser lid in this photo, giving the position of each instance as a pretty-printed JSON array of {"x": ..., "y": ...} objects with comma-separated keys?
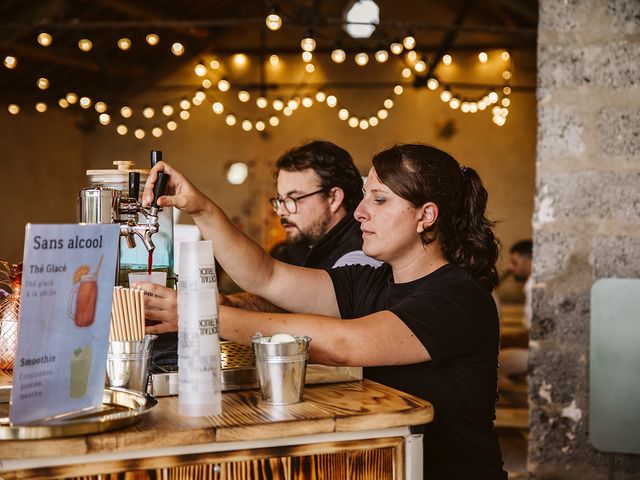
[{"x": 118, "y": 176}]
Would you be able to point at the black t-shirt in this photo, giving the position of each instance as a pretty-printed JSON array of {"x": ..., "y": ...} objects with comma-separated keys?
[{"x": 456, "y": 320}]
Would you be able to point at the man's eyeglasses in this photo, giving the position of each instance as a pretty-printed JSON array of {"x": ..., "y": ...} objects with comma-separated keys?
[{"x": 291, "y": 203}]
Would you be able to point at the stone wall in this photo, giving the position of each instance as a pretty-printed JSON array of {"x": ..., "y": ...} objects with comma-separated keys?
[{"x": 586, "y": 217}]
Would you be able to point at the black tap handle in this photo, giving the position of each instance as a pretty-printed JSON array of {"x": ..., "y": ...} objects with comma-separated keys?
[
  {"x": 134, "y": 185},
  {"x": 156, "y": 156},
  {"x": 158, "y": 190}
]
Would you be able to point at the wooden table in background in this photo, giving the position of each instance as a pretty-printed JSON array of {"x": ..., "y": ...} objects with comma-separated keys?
[{"x": 355, "y": 430}]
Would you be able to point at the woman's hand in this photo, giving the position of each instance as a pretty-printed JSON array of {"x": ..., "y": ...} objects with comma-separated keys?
[
  {"x": 179, "y": 193},
  {"x": 160, "y": 308}
]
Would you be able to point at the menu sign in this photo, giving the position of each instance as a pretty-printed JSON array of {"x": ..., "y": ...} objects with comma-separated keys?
[{"x": 67, "y": 287}]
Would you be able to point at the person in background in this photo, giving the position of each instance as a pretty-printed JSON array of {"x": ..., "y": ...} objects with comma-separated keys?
[
  {"x": 514, "y": 356},
  {"x": 424, "y": 322},
  {"x": 318, "y": 188}
]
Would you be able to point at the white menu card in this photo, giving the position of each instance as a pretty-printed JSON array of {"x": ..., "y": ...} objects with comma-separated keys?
[{"x": 67, "y": 285}]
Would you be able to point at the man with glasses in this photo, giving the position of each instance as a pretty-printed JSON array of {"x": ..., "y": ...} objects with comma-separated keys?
[{"x": 318, "y": 188}]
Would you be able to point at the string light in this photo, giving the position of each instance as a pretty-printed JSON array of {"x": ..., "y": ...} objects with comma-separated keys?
[
  {"x": 200, "y": 70},
  {"x": 454, "y": 103},
  {"x": 464, "y": 107},
  {"x": 247, "y": 125},
  {"x": 432, "y": 83},
  {"x": 338, "y": 55},
  {"x": 274, "y": 60},
  {"x": 278, "y": 104},
  {"x": 382, "y": 114},
  {"x": 445, "y": 95},
  {"x": 85, "y": 44},
  {"x": 406, "y": 72},
  {"x": 85, "y": 102},
  {"x": 447, "y": 59},
  {"x": 100, "y": 107},
  {"x": 240, "y": 60},
  {"x": 362, "y": 59},
  {"x": 260, "y": 126},
  {"x": 262, "y": 102},
  {"x": 373, "y": 121},
  {"x": 388, "y": 103},
  {"x": 310, "y": 68},
  {"x": 206, "y": 83},
  {"x": 43, "y": 83},
  {"x": 122, "y": 129},
  {"x": 244, "y": 96},
  {"x": 184, "y": 114},
  {"x": 343, "y": 114},
  {"x": 293, "y": 103},
  {"x": 185, "y": 104},
  {"x": 139, "y": 133},
  {"x": 172, "y": 125},
  {"x": 411, "y": 56},
  {"x": 214, "y": 64},
  {"x": 506, "y": 90},
  {"x": 382, "y": 56},
  {"x": 63, "y": 102},
  {"x": 363, "y": 124},
  {"x": 45, "y": 39},
  {"x": 505, "y": 56},
  {"x": 230, "y": 120},
  {"x": 307, "y": 102},
  {"x": 506, "y": 74},
  {"x": 71, "y": 98},
  {"x": 124, "y": 44},
  {"x": 153, "y": 40},
  {"x": 505, "y": 102},
  {"x": 156, "y": 132},
  {"x": 321, "y": 96},
  {"x": 483, "y": 57},
  {"x": 104, "y": 118},
  {"x": 353, "y": 122},
  {"x": 148, "y": 112},
  {"x": 308, "y": 44},
  {"x": 307, "y": 56},
  {"x": 420, "y": 66},
  {"x": 273, "y": 20},
  {"x": 396, "y": 48},
  {"x": 409, "y": 42},
  {"x": 217, "y": 108},
  {"x": 398, "y": 89},
  {"x": 167, "y": 110},
  {"x": 332, "y": 101},
  {"x": 125, "y": 112},
  {"x": 274, "y": 121},
  {"x": 223, "y": 85},
  {"x": 41, "y": 107},
  {"x": 177, "y": 49},
  {"x": 13, "y": 109},
  {"x": 10, "y": 62}
]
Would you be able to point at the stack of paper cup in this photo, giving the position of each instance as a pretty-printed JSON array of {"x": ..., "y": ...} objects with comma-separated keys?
[{"x": 199, "y": 388}]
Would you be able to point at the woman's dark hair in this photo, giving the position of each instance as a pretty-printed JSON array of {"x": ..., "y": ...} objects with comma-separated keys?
[
  {"x": 333, "y": 165},
  {"x": 422, "y": 173}
]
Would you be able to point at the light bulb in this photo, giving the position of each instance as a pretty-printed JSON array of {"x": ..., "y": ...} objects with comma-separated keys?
[
  {"x": 382, "y": 56},
  {"x": 388, "y": 103},
  {"x": 185, "y": 104},
  {"x": 200, "y": 96},
  {"x": 125, "y": 111},
  {"x": 321, "y": 96},
  {"x": 396, "y": 48},
  {"x": 493, "y": 97},
  {"x": 217, "y": 108},
  {"x": 122, "y": 129},
  {"x": 41, "y": 107},
  {"x": 420, "y": 66},
  {"x": 343, "y": 114},
  {"x": 363, "y": 124},
  {"x": 200, "y": 70},
  {"x": 505, "y": 56},
  {"x": 63, "y": 103},
  {"x": 274, "y": 121},
  {"x": 85, "y": 44},
  {"x": 206, "y": 83},
  {"x": 240, "y": 60},
  {"x": 409, "y": 42},
  {"x": 505, "y": 102},
  {"x": 100, "y": 107},
  {"x": 338, "y": 55},
  {"x": 124, "y": 44},
  {"x": 506, "y": 90},
  {"x": 499, "y": 120},
  {"x": 247, "y": 125},
  {"x": 273, "y": 20},
  {"x": 13, "y": 109},
  {"x": 308, "y": 44},
  {"x": 353, "y": 122},
  {"x": 382, "y": 114},
  {"x": 71, "y": 98},
  {"x": 506, "y": 74},
  {"x": 196, "y": 100},
  {"x": 278, "y": 104},
  {"x": 293, "y": 104},
  {"x": 398, "y": 89},
  {"x": 473, "y": 107},
  {"x": 447, "y": 59},
  {"x": 177, "y": 49},
  {"x": 148, "y": 112},
  {"x": 445, "y": 96},
  {"x": 45, "y": 39},
  {"x": 85, "y": 102},
  {"x": 244, "y": 96},
  {"x": 230, "y": 120},
  {"x": 184, "y": 114},
  {"x": 214, "y": 64},
  {"x": 287, "y": 112},
  {"x": 156, "y": 132},
  {"x": 262, "y": 102},
  {"x": 432, "y": 84},
  {"x": 454, "y": 103},
  {"x": 411, "y": 56},
  {"x": 307, "y": 102},
  {"x": 406, "y": 72},
  {"x": 310, "y": 68},
  {"x": 482, "y": 105},
  {"x": 260, "y": 126},
  {"x": 172, "y": 125},
  {"x": 483, "y": 57},
  {"x": 167, "y": 110},
  {"x": 43, "y": 83},
  {"x": 274, "y": 59},
  {"x": 104, "y": 118},
  {"x": 139, "y": 133},
  {"x": 362, "y": 58},
  {"x": 332, "y": 101},
  {"x": 153, "y": 39},
  {"x": 10, "y": 61},
  {"x": 464, "y": 107},
  {"x": 223, "y": 85},
  {"x": 373, "y": 121},
  {"x": 307, "y": 56}
]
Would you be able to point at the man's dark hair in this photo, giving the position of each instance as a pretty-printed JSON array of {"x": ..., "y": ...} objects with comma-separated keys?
[
  {"x": 523, "y": 247},
  {"x": 333, "y": 165}
]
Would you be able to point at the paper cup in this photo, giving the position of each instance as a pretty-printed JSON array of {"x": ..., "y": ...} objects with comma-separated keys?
[{"x": 158, "y": 278}]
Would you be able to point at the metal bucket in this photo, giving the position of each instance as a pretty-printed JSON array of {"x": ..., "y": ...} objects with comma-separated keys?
[
  {"x": 281, "y": 369},
  {"x": 128, "y": 363}
]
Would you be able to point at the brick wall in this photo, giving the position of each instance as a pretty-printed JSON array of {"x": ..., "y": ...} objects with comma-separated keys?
[{"x": 586, "y": 218}]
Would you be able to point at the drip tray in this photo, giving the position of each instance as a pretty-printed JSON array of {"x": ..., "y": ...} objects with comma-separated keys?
[{"x": 238, "y": 372}]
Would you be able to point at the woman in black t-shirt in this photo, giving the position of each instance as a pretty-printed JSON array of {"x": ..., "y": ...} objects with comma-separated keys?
[{"x": 425, "y": 322}]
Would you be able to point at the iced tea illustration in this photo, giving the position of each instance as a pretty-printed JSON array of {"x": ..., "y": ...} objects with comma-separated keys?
[{"x": 82, "y": 303}]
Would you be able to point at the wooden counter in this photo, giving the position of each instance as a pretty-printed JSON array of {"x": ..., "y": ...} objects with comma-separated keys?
[{"x": 342, "y": 430}]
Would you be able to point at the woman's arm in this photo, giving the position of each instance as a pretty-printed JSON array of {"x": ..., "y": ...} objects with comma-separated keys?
[
  {"x": 377, "y": 339},
  {"x": 291, "y": 288}
]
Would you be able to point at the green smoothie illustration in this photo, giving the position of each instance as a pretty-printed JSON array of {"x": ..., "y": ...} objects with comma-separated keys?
[{"x": 80, "y": 367}]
